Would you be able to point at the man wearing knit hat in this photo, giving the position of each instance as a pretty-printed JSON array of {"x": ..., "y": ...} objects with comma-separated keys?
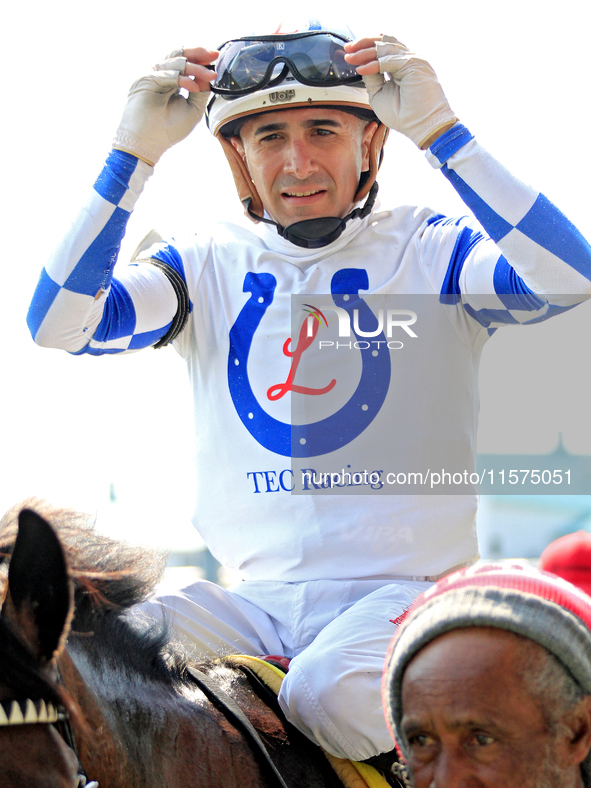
[{"x": 488, "y": 682}]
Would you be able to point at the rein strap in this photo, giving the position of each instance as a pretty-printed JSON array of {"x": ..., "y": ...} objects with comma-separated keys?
[{"x": 233, "y": 713}]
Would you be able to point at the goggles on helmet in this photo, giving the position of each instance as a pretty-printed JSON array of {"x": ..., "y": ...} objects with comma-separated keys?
[{"x": 251, "y": 63}]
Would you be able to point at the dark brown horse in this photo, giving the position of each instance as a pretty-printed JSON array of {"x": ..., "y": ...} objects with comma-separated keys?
[{"x": 92, "y": 692}]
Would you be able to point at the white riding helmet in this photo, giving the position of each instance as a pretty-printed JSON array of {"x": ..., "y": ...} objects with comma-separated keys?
[{"x": 288, "y": 69}]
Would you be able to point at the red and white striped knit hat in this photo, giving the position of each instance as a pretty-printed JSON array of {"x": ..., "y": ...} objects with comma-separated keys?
[{"x": 534, "y": 604}]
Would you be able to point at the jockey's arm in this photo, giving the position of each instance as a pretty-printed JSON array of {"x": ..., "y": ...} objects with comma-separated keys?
[
  {"x": 78, "y": 305},
  {"x": 531, "y": 262}
]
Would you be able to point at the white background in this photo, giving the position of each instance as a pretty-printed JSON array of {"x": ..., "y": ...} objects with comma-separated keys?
[{"x": 516, "y": 73}]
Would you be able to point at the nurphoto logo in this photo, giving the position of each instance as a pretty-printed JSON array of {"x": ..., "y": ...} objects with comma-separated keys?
[{"x": 394, "y": 319}]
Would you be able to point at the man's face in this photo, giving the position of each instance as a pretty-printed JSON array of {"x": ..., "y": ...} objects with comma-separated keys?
[
  {"x": 470, "y": 719},
  {"x": 305, "y": 163}
]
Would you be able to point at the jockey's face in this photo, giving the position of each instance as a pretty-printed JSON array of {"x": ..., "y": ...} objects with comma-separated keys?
[
  {"x": 305, "y": 163},
  {"x": 470, "y": 720}
]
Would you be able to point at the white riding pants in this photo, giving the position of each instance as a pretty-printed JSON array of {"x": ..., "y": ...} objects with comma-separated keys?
[{"x": 336, "y": 633}]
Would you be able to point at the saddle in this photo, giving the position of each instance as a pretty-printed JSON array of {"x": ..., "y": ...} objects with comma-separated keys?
[{"x": 267, "y": 674}]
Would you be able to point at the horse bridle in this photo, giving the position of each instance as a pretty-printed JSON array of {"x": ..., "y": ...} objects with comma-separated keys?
[{"x": 41, "y": 712}]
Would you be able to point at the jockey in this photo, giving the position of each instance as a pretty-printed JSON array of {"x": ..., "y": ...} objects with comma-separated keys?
[{"x": 318, "y": 493}]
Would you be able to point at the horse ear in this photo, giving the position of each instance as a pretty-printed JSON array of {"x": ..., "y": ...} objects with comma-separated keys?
[{"x": 39, "y": 599}]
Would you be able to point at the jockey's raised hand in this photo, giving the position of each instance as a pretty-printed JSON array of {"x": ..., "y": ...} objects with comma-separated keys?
[
  {"x": 157, "y": 116},
  {"x": 411, "y": 101}
]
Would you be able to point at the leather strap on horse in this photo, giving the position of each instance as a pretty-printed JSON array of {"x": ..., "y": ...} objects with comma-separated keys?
[
  {"x": 235, "y": 715},
  {"x": 267, "y": 692}
]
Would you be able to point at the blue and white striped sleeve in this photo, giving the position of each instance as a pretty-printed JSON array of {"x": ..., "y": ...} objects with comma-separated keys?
[
  {"x": 78, "y": 305},
  {"x": 531, "y": 264}
]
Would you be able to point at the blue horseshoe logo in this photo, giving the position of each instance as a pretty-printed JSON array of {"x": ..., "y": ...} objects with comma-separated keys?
[{"x": 337, "y": 430}]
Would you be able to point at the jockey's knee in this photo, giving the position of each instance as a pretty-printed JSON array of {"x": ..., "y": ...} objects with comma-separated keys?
[{"x": 339, "y": 709}]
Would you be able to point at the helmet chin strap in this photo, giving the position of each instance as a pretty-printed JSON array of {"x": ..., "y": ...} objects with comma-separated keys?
[{"x": 315, "y": 233}]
